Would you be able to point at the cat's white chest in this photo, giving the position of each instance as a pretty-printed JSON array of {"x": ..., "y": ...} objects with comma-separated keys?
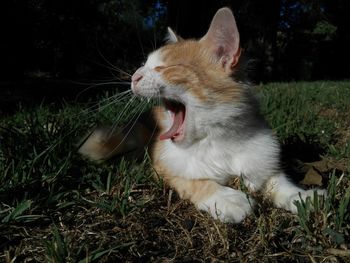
[
  {"x": 205, "y": 160},
  {"x": 255, "y": 159}
]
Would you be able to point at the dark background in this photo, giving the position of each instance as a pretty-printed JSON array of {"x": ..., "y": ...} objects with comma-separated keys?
[{"x": 59, "y": 42}]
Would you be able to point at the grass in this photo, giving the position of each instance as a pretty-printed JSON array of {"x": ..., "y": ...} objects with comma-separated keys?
[{"x": 57, "y": 207}]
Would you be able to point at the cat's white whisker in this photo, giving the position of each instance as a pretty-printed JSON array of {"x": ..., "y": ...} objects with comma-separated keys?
[
  {"x": 119, "y": 98},
  {"x": 101, "y": 105},
  {"x": 130, "y": 129},
  {"x": 113, "y": 67},
  {"x": 101, "y": 84},
  {"x": 126, "y": 110}
]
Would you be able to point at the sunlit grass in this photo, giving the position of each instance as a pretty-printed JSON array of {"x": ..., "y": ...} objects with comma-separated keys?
[{"x": 56, "y": 206}]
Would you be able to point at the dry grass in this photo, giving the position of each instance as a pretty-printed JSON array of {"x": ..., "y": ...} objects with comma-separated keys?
[{"x": 167, "y": 229}]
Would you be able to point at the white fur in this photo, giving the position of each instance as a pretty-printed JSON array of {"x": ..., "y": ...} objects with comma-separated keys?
[
  {"x": 284, "y": 194},
  {"x": 150, "y": 84},
  {"x": 217, "y": 148},
  {"x": 154, "y": 60},
  {"x": 228, "y": 205},
  {"x": 255, "y": 160},
  {"x": 221, "y": 158}
]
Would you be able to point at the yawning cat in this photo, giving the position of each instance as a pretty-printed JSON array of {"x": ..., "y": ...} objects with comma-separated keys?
[{"x": 210, "y": 128}]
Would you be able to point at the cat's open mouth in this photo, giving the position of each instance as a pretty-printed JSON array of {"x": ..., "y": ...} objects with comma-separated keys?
[{"x": 178, "y": 115}]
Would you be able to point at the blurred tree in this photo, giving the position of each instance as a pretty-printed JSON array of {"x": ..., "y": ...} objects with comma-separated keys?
[
  {"x": 67, "y": 38},
  {"x": 289, "y": 39},
  {"x": 11, "y": 44}
]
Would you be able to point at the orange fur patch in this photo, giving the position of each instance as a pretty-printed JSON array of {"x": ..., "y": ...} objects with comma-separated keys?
[{"x": 191, "y": 65}]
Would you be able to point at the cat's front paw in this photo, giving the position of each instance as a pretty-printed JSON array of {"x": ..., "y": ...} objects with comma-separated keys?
[
  {"x": 303, "y": 195},
  {"x": 228, "y": 205}
]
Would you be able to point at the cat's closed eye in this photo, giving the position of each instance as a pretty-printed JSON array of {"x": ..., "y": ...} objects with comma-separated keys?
[{"x": 161, "y": 68}]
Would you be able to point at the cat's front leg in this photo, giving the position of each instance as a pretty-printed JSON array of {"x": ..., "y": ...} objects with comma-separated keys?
[
  {"x": 284, "y": 193},
  {"x": 228, "y": 205},
  {"x": 223, "y": 203}
]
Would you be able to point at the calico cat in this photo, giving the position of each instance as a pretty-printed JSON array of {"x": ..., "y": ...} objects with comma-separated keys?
[{"x": 210, "y": 128}]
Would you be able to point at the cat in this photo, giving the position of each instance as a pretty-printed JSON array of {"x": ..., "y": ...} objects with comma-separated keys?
[{"x": 210, "y": 128}]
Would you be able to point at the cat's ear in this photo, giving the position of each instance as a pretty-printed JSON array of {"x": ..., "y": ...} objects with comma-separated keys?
[
  {"x": 222, "y": 39},
  {"x": 172, "y": 37}
]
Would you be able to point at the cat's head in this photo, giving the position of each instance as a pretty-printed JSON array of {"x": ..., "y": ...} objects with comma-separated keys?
[{"x": 194, "y": 79}]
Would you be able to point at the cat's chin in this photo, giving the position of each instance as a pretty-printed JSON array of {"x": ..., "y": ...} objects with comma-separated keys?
[{"x": 177, "y": 112}]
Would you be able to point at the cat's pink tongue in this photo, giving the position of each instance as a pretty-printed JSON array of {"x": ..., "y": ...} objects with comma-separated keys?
[{"x": 175, "y": 129}]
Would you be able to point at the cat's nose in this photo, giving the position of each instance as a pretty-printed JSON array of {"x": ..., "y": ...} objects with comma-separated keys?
[{"x": 137, "y": 77}]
